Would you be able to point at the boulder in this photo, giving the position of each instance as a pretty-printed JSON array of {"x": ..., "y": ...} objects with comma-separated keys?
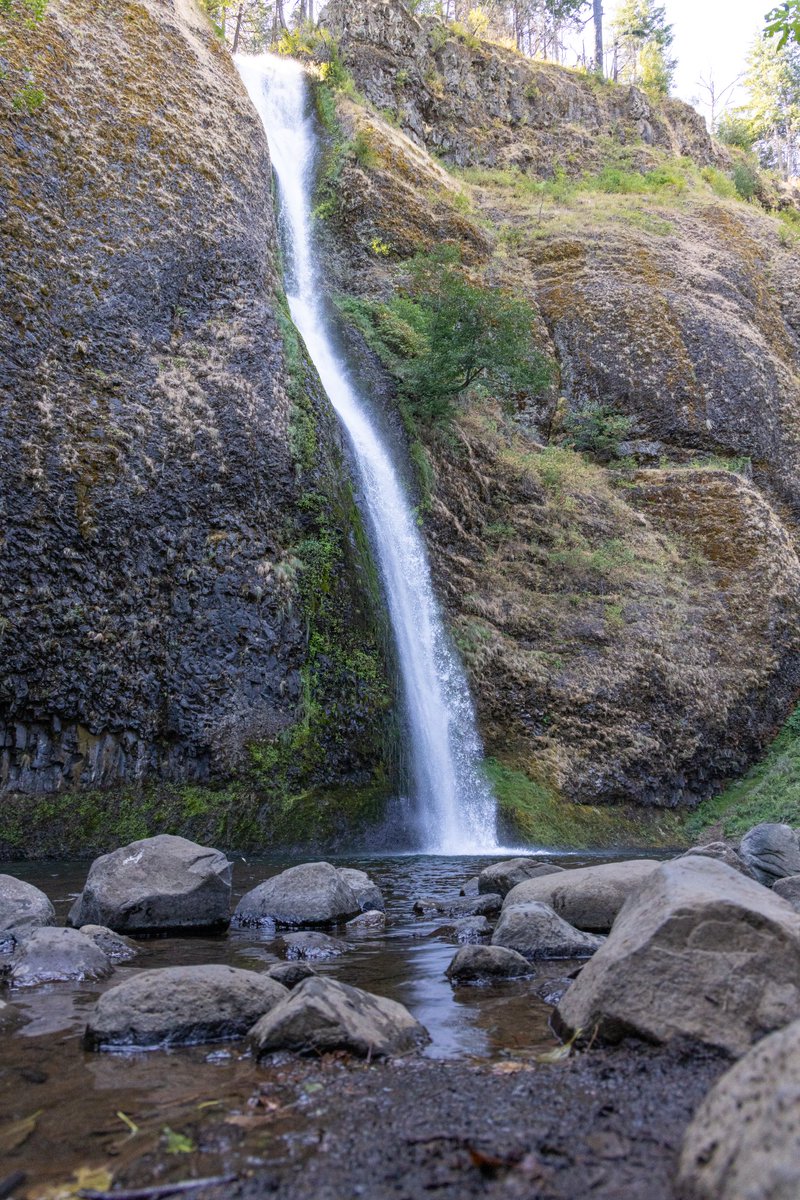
[
  {"x": 117, "y": 947},
  {"x": 291, "y": 973},
  {"x": 366, "y": 891},
  {"x": 788, "y": 889},
  {"x": 458, "y": 906},
  {"x": 485, "y": 964},
  {"x": 371, "y": 921},
  {"x": 308, "y": 946},
  {"x": 181, "y": 1006},
  {"x": 470, "y": 888},
  {"x": 500, "y": 878},
  {"x": 771, "y": 852},
  {"x": 534, "y": 930},
  {"x": 160, "y": 884},
  {"x": 48, "y": 955},
  {"x": 722, "y": 852},
  {"x": 466, "y": 930},
  {"x": 323, "y": 1015},
  {"x": 309, "y": 894},
  {"x": 699, "y": 950},
  {"x": 744, "y": 1140},
  {"x": 588, "y": 897},
  {"x": 23, "y": 906}
]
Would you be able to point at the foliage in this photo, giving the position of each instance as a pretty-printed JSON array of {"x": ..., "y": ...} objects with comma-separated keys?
[
  {"x": 745, "y": 179},
  {"x": 27, "y": 97},
  {"x": 735, "y": 130},
  {"x": 597, "y": 430},
  {"x": 642, "y": 40},
  {"x": 783, "y": 22},
  {"x": 721, "y": 184},
  {"x": 772, "y": 111}
]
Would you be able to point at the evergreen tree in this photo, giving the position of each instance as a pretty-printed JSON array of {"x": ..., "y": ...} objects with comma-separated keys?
[
  {"x": 772, "y": 111},
  {"x": 642, "y": 39}
]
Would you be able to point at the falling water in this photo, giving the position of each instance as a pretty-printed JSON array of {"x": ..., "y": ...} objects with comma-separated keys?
[{"x": 454, "y": 810}]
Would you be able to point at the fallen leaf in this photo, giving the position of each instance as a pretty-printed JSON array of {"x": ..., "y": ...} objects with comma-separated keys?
[
  {"x": 134, "y": 1128},
  {"x": 17, "y": 1132},
  {"x": 177, "y": 1143},
  {"x": 559, "y": 1052}
]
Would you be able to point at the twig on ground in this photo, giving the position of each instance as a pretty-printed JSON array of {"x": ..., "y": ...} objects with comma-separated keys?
[{"x": 161, "y": 1189}]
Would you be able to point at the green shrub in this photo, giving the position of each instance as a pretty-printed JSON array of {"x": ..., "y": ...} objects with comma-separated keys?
[
  {"x": 28, "y": 99},
  {"x": 735, "y": 131},
  {"x": 745, "y": 180},
  {"x": 363, "y": 147},
  {"x": 720, "y": 183},
  {"x": 597, "y": 430}
]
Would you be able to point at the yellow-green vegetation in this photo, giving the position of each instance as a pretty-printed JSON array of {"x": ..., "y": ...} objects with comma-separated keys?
[
  {"x": 534, "y": 811},
  {"x": 20, "y": 85},
  {"x": 770, "y": 791}
]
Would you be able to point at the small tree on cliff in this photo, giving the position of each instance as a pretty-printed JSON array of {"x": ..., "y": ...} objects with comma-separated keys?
[
  {"x": 772, "y": 112},
  {"x": 642, "y": 39}
]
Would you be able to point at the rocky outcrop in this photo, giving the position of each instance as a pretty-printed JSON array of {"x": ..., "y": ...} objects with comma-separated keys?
[
  {"x": 744, "y": 1140},
  {"x": 173, "y": 487},
  {"x": 699, "y": 951}
]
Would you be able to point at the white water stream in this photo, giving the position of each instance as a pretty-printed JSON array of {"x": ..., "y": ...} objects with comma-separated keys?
[{"x": 454, "y": 810}]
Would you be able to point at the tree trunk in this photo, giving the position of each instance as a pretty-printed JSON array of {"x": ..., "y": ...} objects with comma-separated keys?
[
  {"x": 238, "y": 31},
  {"x": 598, "y": 36}
]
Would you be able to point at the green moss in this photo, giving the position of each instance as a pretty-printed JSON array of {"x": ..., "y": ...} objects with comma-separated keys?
[
  {"x": 534, "y": 811},
  {"x": 770, "y": 791}
]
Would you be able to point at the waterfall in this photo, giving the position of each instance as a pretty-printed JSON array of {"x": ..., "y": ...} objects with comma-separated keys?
[{"x": 454, "y": 810}]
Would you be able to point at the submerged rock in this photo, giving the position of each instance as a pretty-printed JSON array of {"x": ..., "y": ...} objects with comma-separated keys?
[
  {"x": 323, "y": 1015},
  {"x": 306, "y": 945},
  {"x": 308, "y": 894},
  {"x": 54, "y": 955},
  {"x": 500, "y": 878},
  {"x": 180, "y": 1006},
  {"x": 118, "y": 948},
  {"x": 534, "y": 930},
  {"x": 744, "y": 1140},
  {"x": 365, "y": 889},
  {"x": 588, "y": 897},
  {"x": 158, "y": 884},
  {"x": 483, "y": 964},
  {"x": 23, "y": 906},
  {"x": 458, "y": 906},
  {"x": 771, "y": 852},
  {"x": 370, "y": 921},
  {"x": 698, "y": 950},
  {"x": 291, "y": 973},
  {"x": 467, "y": 930}
]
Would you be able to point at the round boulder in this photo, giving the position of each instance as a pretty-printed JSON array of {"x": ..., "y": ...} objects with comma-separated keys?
[
  {"x": 309, "y": 894},
  {"x": 23, "y": 906},
  {"x": 160, "y": 884},
  {"x": 500, "y": 878},
  {"x": 365, "y": 890},
  {"x": 744, "y": 1140},
  {"x": 291, "y": 973},
  {"x": 789, "y": 889},
  {"x": 322, "y": 1015},
  {"x": 534, "y": 930},
  {"x": 588, "y": 897},
  {"x": 180, "y": 1006},
  {"x": 771, "y": 852},
  {"x": 487, "y": 964},
  {"x": 48, "y": 955}
]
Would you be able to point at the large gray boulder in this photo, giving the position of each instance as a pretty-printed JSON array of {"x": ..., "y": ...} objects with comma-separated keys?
[
  {"x": 487, "y": 964},
  {"x": 771, "y": 852},
  {"x": 698, "y": 950},
  {"x": 722, "y": 852},
  {"x": 744, "y": 1140},
  {"x": 309, "y": 894},
  {"x": 534, "y": 930},
  {"x": 181, "y": 1006},
  {"x": 365, "y": 889},
  {"x": 48, "y": 955},
  {"x": 323, "y": 1015},
  {"x": 588, "y": 897},
  {"x": 500, "y": 878},
  {"x": 159, "y": 884},
  {"x": 23, "y": 906},
  {"x": 789, "y": 889}
]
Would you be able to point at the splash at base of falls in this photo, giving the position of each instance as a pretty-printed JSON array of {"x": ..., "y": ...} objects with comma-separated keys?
[{"x": 453, "y": 810}]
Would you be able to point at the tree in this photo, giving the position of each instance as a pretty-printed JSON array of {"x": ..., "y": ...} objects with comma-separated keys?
[
  {"x": 597, "y": 15},
  {"x": 772, "y": 82},
  {"x": 642, "y": 39},
  {"x": 716, "y": 94},
  {"x": 783, "y": 22}
]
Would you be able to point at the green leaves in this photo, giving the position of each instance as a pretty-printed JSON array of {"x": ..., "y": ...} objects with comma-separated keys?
[{"x": 783, "y": 22}]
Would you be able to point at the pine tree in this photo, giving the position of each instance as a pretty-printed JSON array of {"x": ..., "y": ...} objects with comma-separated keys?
[
  {"x": 772, "y": 82},
  {"x": 642, "y": 39}
]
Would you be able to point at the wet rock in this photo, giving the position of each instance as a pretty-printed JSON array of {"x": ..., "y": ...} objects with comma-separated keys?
[
  {"x": 365, "y": 889},
  {"x": 48, "y": 955},
  {"x": 158, "y": 884},
  {"x": 534, "y": 930},
  {"x": 467, "y": 930},
  {"x": 309, "y": 894},
  {"x": 118, "y": 948},
  {"x": 309, "y": 946},
  {"x": 23, "y": 906},
  {"x": 483, "y": 964},
  {"x": 723, "y": 853},
  {"x": 744, "y": 1140},
  {"x": 181, "y": 1006},
  {"x": 500, "y": 878},
  {"x": 698, "y": 950},
  {"x": 291, "y": 973},
  {"x": 470, "y": 888},
  {"x": 588, "y": 897},
  {"x": 323, "y": 1015},
  {"x": 458, "y": 906},
  {"x": 771, "y": 852},
  {"x": 788, "y": 888},
  {"x": 371, "y": 921}
]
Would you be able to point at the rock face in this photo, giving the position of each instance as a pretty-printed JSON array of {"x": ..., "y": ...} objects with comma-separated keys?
[
  {"x": 323, "y": 1015},
  {"x": 771, "y": 852},
  {"x": 160, "y": 439},
  {"x": 500, "y": 878},
  {"x": 309, "y": 894},
  {"x": 180, "y": 1006},
  {"x": 587, "y": 897},
  {"x": 535, "y": 931},
  {"x": 22, "y": 906},
  {"x": 160, "y": 883},
  {"x": 698, "y": 950},
  {"x": 56, "y": 955},
  {"x": 744, "y": 1140},
  {"x": 484, "y": 964},
  {"x": 366, "y": 891}
]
